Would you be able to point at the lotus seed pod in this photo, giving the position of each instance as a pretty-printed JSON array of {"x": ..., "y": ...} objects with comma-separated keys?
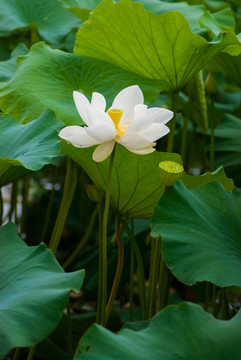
[{"x": 170, "y": 172}]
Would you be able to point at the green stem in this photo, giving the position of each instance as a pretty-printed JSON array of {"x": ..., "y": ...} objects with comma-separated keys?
[
  {"x": 140, "y": 269},
  {"x": 184, "y": 132},
  {"x": 155, "y": 260},
  {"x": 70, "y": 332},
  {"x": 13, "y": 205},
  {"x": 207, "y": 294},
  {"x": 118, "y": 270},
  {"x": 163, "y": 286},
  {"x": 151, "y": 270},
  {"x": 69, "y": 190},
  {"x": 172, "y": 122},
  {"x": 84, "y": 239},
  {"x": 104, "y": 241},
  {"x": 225, "y": 305},
  {"x": 16, "y": 353},
  {"x": 99, "y": 299},
  {"x": 26, "y": 184},
  {"x": 132, "y": 269},
  {"x": 50, "y": 205},
  {"x": 212, "y": 135},
  {"x": 214, "y": 299},
  {"x": 1, "y": 207},
  {"x": 31, "y": 352},
  {"x": 217, "y": 308}
]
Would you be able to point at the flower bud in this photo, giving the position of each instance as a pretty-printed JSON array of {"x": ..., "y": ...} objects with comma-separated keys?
[
  {"x": 211, "y": 85},
  {"x": 170, "y": 172},
  {"x": 95, "y": 193}
]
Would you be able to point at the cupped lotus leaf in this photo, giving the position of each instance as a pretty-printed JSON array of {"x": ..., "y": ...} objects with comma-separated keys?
[
  {"x": 200, "y": 230},
  {"x": 9, "y": 67},
  {"x": 32, "y": 145},
  {"x": 34, "y": 291},
  {"x": 178, "y": 332},
  {"x": 136, "y": 186},
  {"x": 46, "y": 79},
  {"x": 155, "y": 47},
  {"x": 48, "y": 18}
]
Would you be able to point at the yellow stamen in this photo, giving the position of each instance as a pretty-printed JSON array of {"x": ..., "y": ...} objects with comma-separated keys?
[
  {"x": 115, "y": 115},
  {"x": 120, "y": 130}
]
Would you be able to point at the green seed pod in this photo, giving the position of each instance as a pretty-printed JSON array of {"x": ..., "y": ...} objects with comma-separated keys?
[
  {"x": 95, "y": 193},
  {"x": 170, "y": 172}
]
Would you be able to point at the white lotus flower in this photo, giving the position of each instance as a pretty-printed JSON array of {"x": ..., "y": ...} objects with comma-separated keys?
[{"x": 128, "y": 121}]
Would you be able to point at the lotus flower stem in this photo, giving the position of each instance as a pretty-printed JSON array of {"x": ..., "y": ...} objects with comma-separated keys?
[
  {"x": 103, "y": 248},
  {"x": 172, "y": 122},
  {"x": 99, "y": 299},
  {"x": 118, "y": 270},
  {"x": 132, "y": 269},
  {"x": 212, "y": 135}
]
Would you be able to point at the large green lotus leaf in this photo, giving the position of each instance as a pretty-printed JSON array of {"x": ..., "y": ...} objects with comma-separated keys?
[
  {"x": 199, "y": 181},
  {"x": 34, "y": 291},
  {"x": 32, "y": 145},
  {"x": 46, "y": 78},
  {"x": 228, "y": 146},
  {"x": 178, "y": 332},
  {"x": 83, "y": 8},
  {"x": 9, "y": 67},
  {"x": 156, "y": 47},
  {"x": 49, "y": 18},
  {"x": 193, "y": 13},
  {"x": 136, "y": 186},
  {"x": 200, "y": 230}
]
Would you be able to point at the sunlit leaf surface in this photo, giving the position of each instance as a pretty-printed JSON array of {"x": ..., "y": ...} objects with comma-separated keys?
[
  {"x": 156, "y": 47},
  {"x": 136, "y": 186},
  {"x": 34, "y": 291},
  {"x": 200, "y": 230},
  {"x": 46, "y": 79}
]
